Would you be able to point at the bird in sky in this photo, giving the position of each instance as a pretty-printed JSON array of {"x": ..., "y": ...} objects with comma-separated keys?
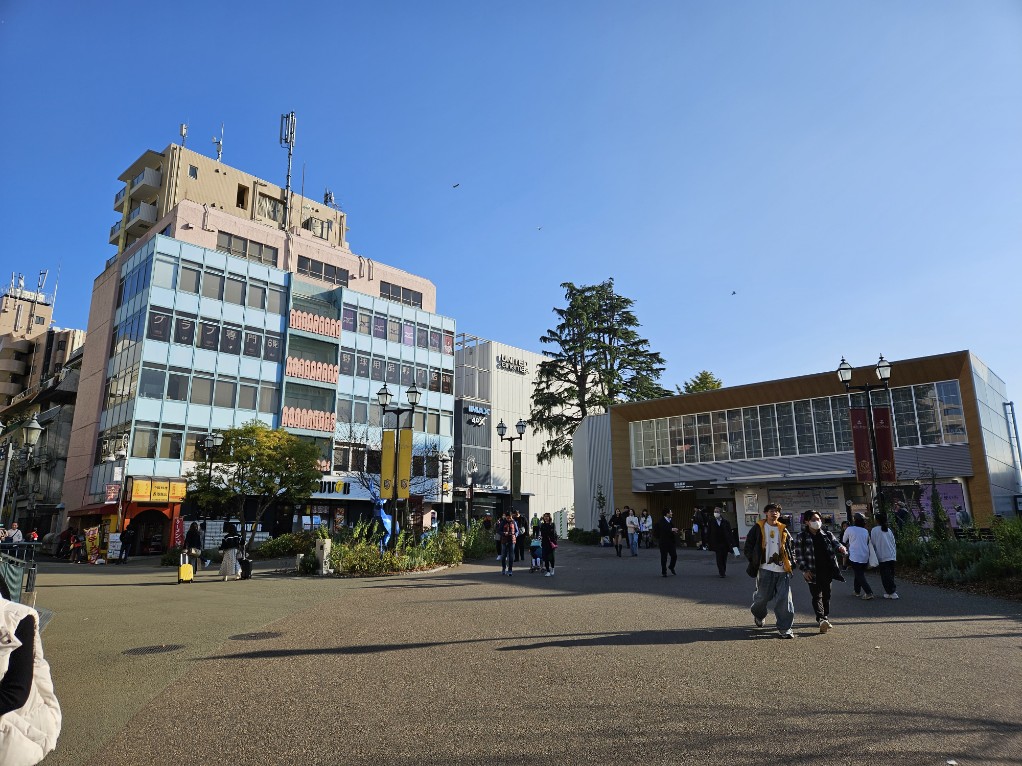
[
  {"x": 734, "y": 292},
  {"x": 455, "y": 186}
]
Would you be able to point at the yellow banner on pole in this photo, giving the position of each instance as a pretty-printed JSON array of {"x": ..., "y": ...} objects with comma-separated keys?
[
  {"x": 387, "y": 466},
  {"x": 404, "y": 462}
]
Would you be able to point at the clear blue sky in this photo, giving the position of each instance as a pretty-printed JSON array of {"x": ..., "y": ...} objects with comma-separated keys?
[{"x": 852, "y": 170}]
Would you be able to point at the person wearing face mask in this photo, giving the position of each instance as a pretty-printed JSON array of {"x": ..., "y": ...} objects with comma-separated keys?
[
  {"x": 668, "y": 544},
  {"x": 720, "y": 539},
  {"x": 816, "y": 551}
]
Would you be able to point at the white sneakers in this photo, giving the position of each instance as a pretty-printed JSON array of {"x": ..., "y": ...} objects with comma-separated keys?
[
  {"x": 891, "y": 595},
  {"x": 825, "y": 625},
  {"x": 549, "y": 574}
]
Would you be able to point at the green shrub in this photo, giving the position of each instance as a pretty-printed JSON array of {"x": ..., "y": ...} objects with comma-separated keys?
[
  {"x": 363, "y": 559},
  {"x": 284, "y": 546},
  {"x": 442, "y": 548},
  {"x": 962, "y": 561},
  {"x": 478, "y": 543},
  {"x": 308, "y": 565},
  {"x": 1008, "y": 538},
  {"x": 171, "y": 558},
  {"x": 584, "y": 536}
]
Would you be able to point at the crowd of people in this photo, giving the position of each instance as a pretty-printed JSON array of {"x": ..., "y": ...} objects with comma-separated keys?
[{"x": 514, "y": 541}]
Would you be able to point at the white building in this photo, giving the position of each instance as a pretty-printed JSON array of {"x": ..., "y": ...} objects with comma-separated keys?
[{"x": 494, "y": 383}]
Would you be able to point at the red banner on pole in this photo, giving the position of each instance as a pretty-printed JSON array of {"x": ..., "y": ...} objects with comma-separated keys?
[
  {"x": 885, "y": 443},
  {"x": 860, "y": 444}
]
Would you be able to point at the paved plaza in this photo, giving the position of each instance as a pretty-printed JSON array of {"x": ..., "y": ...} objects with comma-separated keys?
[{"x": 605, "y": 663}]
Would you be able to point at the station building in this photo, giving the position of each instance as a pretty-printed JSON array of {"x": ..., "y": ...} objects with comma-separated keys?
[
  {"x": 494, "y": 383},
  {"x": 230, "y": 299},
  {"x": 789, "y": 442}
]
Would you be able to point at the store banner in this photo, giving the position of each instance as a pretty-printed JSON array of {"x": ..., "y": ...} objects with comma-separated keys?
[
  {"x": 387, "y": 466},
  {"x": 883, "y": 430},
  {"x": 404, "y": 462},
  {"x": 113, "y": 491},
  {"x": 516, "y": 475},
  {"x": 177, "y": 534},
  {"x": 141, "y": 490},
  {"x": 860, "y": 444}
]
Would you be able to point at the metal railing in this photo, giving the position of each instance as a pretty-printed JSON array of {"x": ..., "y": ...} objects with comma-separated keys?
[{"x": 18, "y": 570}]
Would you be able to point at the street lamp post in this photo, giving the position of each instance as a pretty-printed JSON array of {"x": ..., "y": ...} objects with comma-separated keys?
[
  {"x": 385, "y": 398},
  {"x": 209, "y": 444},
  {"x": 883, "y": 373},
  {"x": 30, "y": 435},
  {"x": 520, "y": 427}
]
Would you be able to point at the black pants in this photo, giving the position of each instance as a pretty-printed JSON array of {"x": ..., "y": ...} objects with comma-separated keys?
[
  {"x": 520, "y": 548},
  {"x": 887, "y": 576},
  {"x": 548, "y": 558},
  {"x": 819, "y": 590},
  {"x": 721, "y": 554},
  {"x": 664, "y": 553}
]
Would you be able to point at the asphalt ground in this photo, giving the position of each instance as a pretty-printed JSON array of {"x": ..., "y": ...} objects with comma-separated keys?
[{"x": 606, "y": 662}]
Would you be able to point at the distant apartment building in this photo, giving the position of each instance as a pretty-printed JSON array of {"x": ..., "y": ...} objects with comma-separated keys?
[{"x": 228, "y": 300}]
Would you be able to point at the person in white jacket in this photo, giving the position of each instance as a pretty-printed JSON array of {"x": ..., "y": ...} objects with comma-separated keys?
[
  {"x": 632, "y": 525},
  {"x": 856, "y": 538},
  {"x": 881, "y": 537},
  {"x": 29, "y": 712}
]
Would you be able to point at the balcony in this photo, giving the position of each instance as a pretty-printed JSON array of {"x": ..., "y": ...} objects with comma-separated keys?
[
  {"x": 14, "y": 366},
  {"x": 115, "y": 233},
  {"x": 146, "y": 184},
  {"x": 119, "y": 199},
  {"x": 141, "y": 219}
]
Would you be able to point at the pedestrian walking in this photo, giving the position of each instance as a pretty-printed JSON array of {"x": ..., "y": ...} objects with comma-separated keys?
[
  {"x": 508, "y": 530},
  {"x": 645, "y": 529},
  {"x": 230, "y": 545},
  {"x": 30, "y": 716},
  {"x": 522, "y": 539},
  {"x": 127, "y": 540},
  {"x": 668, "y": 543},
  {"x": 193, "y": 545},
  {"x": 771, "y": 554},
  {"x": 720, "y": 539},
  {"x": 604, "y": 526},
  {"x": 548, "y": 536},
  {"x": 632, "y": 525},
  {"x": 881, "y": 537},
  {"x": 856, "y": 537},
  {"x": 617, "y": 529},
  {"x": 704, "y": 528},
  {"x": 817, "y": 552},
  {"x": 901, "y": 515}
]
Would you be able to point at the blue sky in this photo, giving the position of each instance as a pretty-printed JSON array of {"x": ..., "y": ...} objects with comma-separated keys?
[{"x": 851, "y": 170}]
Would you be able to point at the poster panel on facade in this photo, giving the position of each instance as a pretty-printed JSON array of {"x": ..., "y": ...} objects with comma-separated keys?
[
  {"x": 113, "y": 491},
  {"x": 883, "y": 430},
  {"x": 178, "y": 490},
  {"x": 516, "y": 475},
  {"x": 860, "y": 444},
  {"x": 160, "y": 491},
  {"x": 404, "y": 462},
  {"x": 141, "y": 490},
  {"x": 387, "y": 465}
]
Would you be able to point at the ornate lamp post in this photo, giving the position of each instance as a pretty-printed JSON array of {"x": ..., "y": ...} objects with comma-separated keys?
[
  {"x": 883, "y": 373},
  {"x": 520, "y": 427},
  {"x": 385, "y": 398},
  {"x": 210, "y": 444}
]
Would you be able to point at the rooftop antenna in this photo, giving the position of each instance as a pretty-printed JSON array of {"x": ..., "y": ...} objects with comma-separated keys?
[
  {"x": 287, "y": 138},
  {"x": 56, "y": 284},
  {"x": 183, "y": 130},
  {"x": 219, "y": 143}
]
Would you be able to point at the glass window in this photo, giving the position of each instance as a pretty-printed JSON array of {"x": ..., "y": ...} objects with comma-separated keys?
[
  {"x": 704, "y": 435},
  {"x": 303, "y": 264},
  {"x": 269, "y": 255},
  {"x": 842, "y": 423},
  {"x": 247, "y": 396},
  {"x": 721, "y": 448},
  {"x": 422, "y": 337},
  {"x": 271, "y": 348},
  {"x": 365, "y": 323},
  {"x": 253, "y": 344},
  {"x": 393, "y": 330},
  {"x": 189, "y": 279},
  {"x": 446, "y": 425},
  {"x": 360, "y": 413},
  {"x": 213, "y": 285},
  {"x": 256, "y": 296},
  {"x": 344, "y": 410},
  {"x": 358, "y": 457},
  {"x": 419, "y": 421},
  {"x": 151, "y": 383},
  {"x": 380, "y": 327},
  {"x": 768, "y": 430},
  {"x": 376, "y": 414},
  {"x": 202, "y": 390},
  {"x": 926, "y": 410},
  {"x": 408, "y": 334},
  {"x": 170, "y": 445},
  {"x": 159, "y": 327},
  {"x": 690, "y": 444},
  {"x": 422, "y": 378},
  {"x": 432, "y": 423},
  {"x": 342, "y": 457},
  {"x": 434, "y": 380},
  {"x": 190, "y": 447},
  {"x": 952, "y": 416},
  {"x": 735, "y": 435},
  {"x": 446, "y": 383},
  {"x": 448, "y": 343},
  {"x": 347, "y": 362},
  {"x": 184, "y": 331},
  {"x": 209, "y": 336},
  {"x": 376, "y": 369},
  {"x": 234, "y": 292},
  {"x": 905, "y": 429},
  {"x": 824, "y": 425},
  {"x": 786, "y": 429},
  {"x": 434, "y": 340},
  {"x": 750, "y": 423},
  {"x": 269, "y": 399},
  {"x": 230, "y": 340},
  {"x": 225, "y": 392},
  {"x": 164, "y": 273},
  {"x": 361, "y": 367},
  {"x": 177, "y": 387},
  {"x": 144, "y": 443},
  {"x": 393, "y": 372},
  {"x": 407, "y": 375},
  {"x": 275, "y": 301},
  {"x": 804, "y": 427}
]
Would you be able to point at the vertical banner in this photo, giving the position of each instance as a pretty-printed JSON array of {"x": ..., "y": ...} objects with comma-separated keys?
[
  {"x": 860, "y": 444},
  {"x": 404, "y": 462},
  {"x": 387, "y": 466},
  {"x": 516, "y": 475},
  {"x": 177, "y": 534},
  {"x": 883, "y": 430}
]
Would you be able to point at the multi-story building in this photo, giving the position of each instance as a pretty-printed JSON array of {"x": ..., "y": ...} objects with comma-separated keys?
[
  {"x": 790, "y": 442},
  {"x": 230, "y": 299},
  {"x": 495, "y": 383}
]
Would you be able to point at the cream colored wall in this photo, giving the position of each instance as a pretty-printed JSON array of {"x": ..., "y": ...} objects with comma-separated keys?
[{"x": 84, "y": 428}]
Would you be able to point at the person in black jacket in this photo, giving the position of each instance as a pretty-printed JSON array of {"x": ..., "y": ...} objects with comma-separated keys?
[
  {"x": 193, "y": 545},
  {"x": 668, "y": 544},
  {"x": 817, "y": 551},
  {"x": 617, "y": 529},
  {"x": 719, "y": 538},
  {"x": 548, "y": 536}
]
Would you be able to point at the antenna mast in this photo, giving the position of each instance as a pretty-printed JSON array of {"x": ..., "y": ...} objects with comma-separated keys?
[
  {"x": 219, "y": 144},
  {"x": 287, "y": 138},
  {"x": 183, "y": 130}
]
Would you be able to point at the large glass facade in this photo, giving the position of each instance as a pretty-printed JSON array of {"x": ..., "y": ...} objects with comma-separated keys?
[{"x": 930, "y": 413}]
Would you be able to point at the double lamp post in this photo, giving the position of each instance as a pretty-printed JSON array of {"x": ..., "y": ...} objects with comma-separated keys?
[{"x": 883, "y": 373}]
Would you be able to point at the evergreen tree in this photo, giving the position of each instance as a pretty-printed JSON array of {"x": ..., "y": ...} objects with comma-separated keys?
[
  {"x": 704, "y": 381},
  {"x": 599, "y": 359}
]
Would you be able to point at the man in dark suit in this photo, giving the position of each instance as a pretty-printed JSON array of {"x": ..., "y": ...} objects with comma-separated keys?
[
  {"x": 720, "y": 538},
  {"x": 668, "y": 544}
]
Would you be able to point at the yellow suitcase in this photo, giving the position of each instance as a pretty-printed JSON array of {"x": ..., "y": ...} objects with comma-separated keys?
[{"x": 185, "y": 571}]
